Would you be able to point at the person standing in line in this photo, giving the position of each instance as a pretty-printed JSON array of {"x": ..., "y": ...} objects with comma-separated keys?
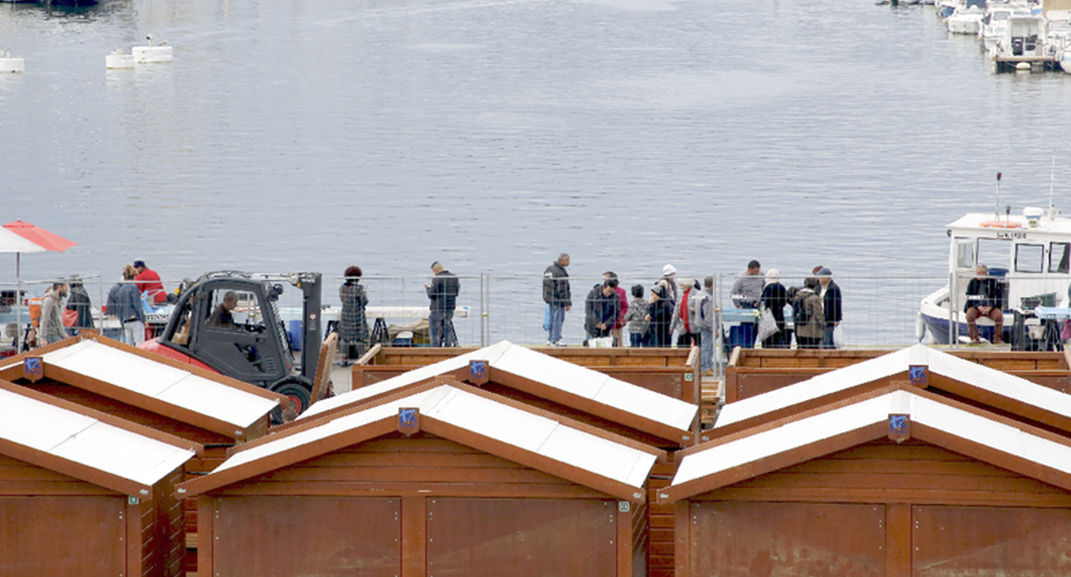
[
  {"x": 672, "y": 295},
  {"x": 622, "y": 308},
  {"x": 775, "y": 297},
  {"x": 704, "y": 323},
  {"x": 831, "y": 304},
  {"x": 637, "y": 318},
  {"x": 442, "y": 292},
  {"x": 353, "y": 329},
  {"x": 600, "y": 309},
  {"x": 746, "y": 291},
  {"x": 129, "y": 309},
  {"x": 79, "y": 302},
  {"x": 685, "y": 320},
  {"x": 52, "y": 330},
  {"x": 808, "y": 316},
  {"x": 660, "y": 315},
  {"x": 149, "y": 284},
  {"x": 557, "y": 294}
]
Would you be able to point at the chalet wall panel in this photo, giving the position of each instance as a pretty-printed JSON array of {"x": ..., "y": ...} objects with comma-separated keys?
[
  {"x": 323, "y": 536},
  {"x": 71, "y": 535},
  {"x": 521, "y": 537}
]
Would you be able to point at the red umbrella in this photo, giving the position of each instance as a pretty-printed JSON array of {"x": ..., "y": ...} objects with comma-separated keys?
[{"x": 19, "y": 237}]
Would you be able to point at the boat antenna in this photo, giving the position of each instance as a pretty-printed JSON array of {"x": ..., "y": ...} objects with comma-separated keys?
[{"x": 996, "y": 207}]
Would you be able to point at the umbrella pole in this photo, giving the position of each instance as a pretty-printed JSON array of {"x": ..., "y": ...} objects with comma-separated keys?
[{"x": 18, "y": 303}]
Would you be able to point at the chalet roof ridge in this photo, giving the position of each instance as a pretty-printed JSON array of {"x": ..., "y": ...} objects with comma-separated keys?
[
  {"x": 549, "y": 371},
  {"x": 747, "y": 454},
  {"x": 497, "y": 423},
  {"x": 84, "y": 447},
  {"x": 239, "y": 405},
  {"x": 976, "y": 375}
]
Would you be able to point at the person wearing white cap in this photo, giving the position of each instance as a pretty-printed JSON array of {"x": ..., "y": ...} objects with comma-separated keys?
[
  {"x": 672, "y": 295},
  {"x": 746, "y": 291}
]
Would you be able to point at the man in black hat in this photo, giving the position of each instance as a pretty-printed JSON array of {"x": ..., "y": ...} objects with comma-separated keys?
[{"x": 442, "y": 292}]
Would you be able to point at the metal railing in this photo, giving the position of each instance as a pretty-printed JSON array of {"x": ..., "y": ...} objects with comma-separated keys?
[{"x": 879, "y": 311}]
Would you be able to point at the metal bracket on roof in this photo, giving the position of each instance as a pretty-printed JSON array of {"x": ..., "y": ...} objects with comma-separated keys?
[
  {"x": 33, "y": 369},
  {"x": 899, "y": 428},
  {"x": 408, "y": 421}
]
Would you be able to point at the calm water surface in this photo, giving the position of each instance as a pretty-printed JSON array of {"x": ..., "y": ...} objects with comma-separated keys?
[{"x": 492, "y": 135}]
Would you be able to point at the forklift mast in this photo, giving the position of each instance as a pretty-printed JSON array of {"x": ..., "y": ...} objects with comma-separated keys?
[{"x": 312, "y": 300}]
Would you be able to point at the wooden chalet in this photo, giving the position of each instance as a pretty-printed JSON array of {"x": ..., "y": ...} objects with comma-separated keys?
[
  {"x": 547, "y": 382},
  {"x": 896, "y": 482},
  {"x": 923, "y": 367},
  {"x": 439, "y": 479},
  {"x": 144, "y": 388},
  {"x": 84, "y": 493},
  {"x": 752, "y": 372},
  {"x": 672, "y": 372}
]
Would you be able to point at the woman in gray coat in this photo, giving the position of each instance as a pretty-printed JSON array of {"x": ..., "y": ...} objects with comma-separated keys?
[
  {"x": 808, "y": 316},
  {"x": 353, "y": 329}
]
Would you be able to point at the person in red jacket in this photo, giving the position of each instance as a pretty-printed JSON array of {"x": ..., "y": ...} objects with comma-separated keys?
[{"x": 149, "y": 283}]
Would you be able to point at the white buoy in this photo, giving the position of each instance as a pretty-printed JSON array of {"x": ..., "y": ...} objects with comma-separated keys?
[
  {"x": 1022, "y": 67},
  {"x": 117, "y": 60},
  {"x": 10, "y": 64}
]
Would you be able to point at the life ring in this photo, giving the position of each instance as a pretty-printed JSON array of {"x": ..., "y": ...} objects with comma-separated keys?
[{"x": 1001, "y": 224}]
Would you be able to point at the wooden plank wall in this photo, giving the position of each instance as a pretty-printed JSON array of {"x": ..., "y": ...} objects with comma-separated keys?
[{"x": 660, "y": 556}]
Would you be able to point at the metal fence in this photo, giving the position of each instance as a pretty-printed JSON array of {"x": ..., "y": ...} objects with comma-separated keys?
[{"x": 879, "y": 311}]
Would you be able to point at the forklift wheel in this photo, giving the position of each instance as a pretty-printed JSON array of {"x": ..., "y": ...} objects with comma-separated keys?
[{"x": 299, "y": 395}]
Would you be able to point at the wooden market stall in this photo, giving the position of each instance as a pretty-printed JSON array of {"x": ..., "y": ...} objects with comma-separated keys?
[
  {"x": 83, "y": 493},
  {"x": 144, "y": 388},
  {"x": 548, "y": 382},
  {"x": 672, "y": 372},
  {"x": 752, "y": 372},
  {"x": 896, "y": 482},
  {"x": 440, "y": 479}
]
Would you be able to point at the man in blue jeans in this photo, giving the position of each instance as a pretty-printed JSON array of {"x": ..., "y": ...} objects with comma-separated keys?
[
  {"x": 442, "y": 292},
  {"x": 557, "y": 295}
]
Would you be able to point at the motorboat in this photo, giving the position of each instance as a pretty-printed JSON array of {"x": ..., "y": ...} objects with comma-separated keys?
[
  {"x": 1059, "y": 37},
  {"x": 967, "y": 18},
  {"x": 1023, "y": 43},
  {"x": 153, "y": 53},
  {"x": 995, "y": 21},
  {"x": 1029, "y": 253},
  {"x": 11, "y": 64}
]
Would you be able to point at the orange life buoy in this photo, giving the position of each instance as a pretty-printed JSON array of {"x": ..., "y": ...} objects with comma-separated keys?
[{"x": 1001, "y": 224}]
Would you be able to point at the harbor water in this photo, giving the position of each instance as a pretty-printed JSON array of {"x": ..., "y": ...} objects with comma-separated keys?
[{"x": 492, "y": 135}]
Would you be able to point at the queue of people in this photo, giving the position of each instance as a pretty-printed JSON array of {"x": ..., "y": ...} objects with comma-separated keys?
[{"x": 685, "y": 308}]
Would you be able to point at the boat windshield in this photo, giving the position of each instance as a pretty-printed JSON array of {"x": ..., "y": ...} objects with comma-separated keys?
[{"x": 1060, "y": 257}]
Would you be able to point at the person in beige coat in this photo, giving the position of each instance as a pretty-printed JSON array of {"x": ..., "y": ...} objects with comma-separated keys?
[{"x": 808, "y": 315}]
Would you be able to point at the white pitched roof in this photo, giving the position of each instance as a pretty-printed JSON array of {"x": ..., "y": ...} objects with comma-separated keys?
[
  {"x": 544, "y": 369},
  {"x": 535, "y": 433},
  {"x": 87, "y": 441},
  {"x": 926, "y": 411},
  {"x": 163, "y": 382},
  {"x": 940, "y": 363}
]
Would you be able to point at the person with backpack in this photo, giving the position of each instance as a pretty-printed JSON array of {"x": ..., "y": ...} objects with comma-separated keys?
[{"x": 808, "y": 316}]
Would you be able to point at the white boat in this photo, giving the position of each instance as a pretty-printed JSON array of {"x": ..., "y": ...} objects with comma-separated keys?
[
  {"x": 11, "y": 64},
  {"x": 966, "y": 19},
  {"x": 1059, "y": 37},
  {"x": 1023, "y": 44},
  {"x": 1030, "y": 253},
  {"x": 995, "y": 22}
]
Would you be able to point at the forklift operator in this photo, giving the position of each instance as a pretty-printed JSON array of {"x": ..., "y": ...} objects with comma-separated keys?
[{"x": 221, "y": 317}]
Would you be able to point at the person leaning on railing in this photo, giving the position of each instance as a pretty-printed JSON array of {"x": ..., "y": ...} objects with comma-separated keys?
[{"x": 984, "y": 295}]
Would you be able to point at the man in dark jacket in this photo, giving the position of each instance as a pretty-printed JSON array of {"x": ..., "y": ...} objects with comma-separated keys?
[
  {"x": 984, "y": 299},
  {"x": 831, "y": 304},
  {"x": 600, "y": 309},
  {"x": 442, "y": 292},
  {"x": 556, "y": 293}
]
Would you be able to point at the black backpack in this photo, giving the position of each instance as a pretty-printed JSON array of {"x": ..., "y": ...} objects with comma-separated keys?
[{"x": 799, "y": 312}]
